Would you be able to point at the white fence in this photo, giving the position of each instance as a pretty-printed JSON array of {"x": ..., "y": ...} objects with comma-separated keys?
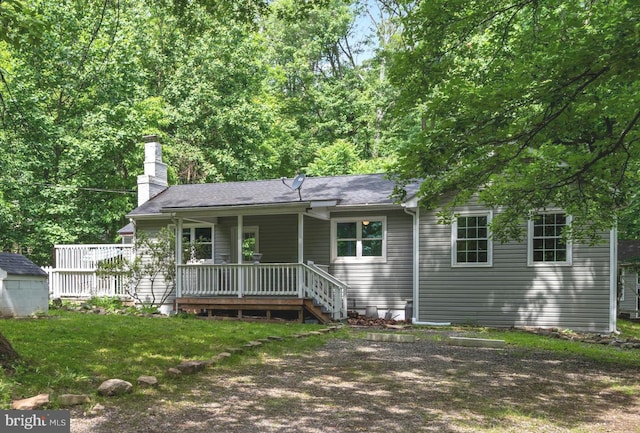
[{"x": 75, "y": 273}]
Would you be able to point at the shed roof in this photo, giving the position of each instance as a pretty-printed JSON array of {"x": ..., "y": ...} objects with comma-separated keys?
[
  {"x": 628, "y": 251},
  {"x": 369, "y": 189},
  {"x": 17, "y": 264}
]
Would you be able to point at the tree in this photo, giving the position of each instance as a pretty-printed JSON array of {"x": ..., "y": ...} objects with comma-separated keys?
[
  {"x": 153, "y": 262},
  {"x": 529, "y": 104},
  {"x": 321, "y": 93}
]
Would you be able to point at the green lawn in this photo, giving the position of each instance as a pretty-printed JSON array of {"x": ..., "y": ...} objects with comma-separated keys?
[
  {"x": 73, "y": 353},
  {"x": 69, "y": 352},
  {"x": 598, "y": 352}
]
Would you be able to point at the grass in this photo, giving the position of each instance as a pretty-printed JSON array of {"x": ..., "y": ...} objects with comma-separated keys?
[
  {"x": 598, "y": 352},
  {"x": 69, "y": 352}
]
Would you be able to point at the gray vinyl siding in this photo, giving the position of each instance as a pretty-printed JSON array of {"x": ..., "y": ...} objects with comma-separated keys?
[
  {"x": 384, "y": 285},
  {"x": 144, "y": 290},
  {"x": 511, "y": 293},
  {"x": 317, "y": 241},
  {"x": 277, "y": 237},
  {"x": 222, "y": 238}
]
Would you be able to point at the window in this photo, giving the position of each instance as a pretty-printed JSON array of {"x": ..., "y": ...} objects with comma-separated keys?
[
  {"x": 250, "y": 243},
  {"x": 197, "y": 243},
  {"x": 546, "y": 241},
  {"x": 471, "y": 244},
  {"x": 361, "y": 239}
]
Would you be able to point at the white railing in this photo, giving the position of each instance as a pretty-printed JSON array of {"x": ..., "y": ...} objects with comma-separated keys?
[
  {"x": 326, "y": 290},
  {"x": 273, "y": 279},
  {"x": 75, "y": 273}
]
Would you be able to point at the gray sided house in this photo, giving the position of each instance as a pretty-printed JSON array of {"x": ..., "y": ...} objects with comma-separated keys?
[
  {"x": 24, "y": 289},
  {"x": 342, "y": 243}
]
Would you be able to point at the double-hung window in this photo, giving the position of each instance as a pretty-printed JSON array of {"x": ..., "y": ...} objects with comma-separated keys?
[
  {"x": 359, "y": 239},
  {"x": 546, "y": 242},
  {"x": 197, "y": 243},
  {"x": 471, "y": 243}
]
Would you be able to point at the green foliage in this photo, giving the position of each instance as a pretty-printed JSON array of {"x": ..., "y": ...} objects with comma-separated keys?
[
  {"x": 153, "y": 263},
  {"x": 236, "y": 91},
  {"x": 528, "y": 104}
]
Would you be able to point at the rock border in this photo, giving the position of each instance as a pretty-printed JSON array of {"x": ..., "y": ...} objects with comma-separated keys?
[{"x": 121, "y": 387}]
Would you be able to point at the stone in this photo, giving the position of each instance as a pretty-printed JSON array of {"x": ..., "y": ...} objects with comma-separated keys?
[
  {"x": 31, "y": 403},
  {"x": 150, "y": 381},
  {"x": 113, "y": 387},
  {"x": 96, "y": 410},
  {"x": 174, "y": 372},
  {"x": 395, "y": 338},
  {"x": 191, "y": 367},
  {"x": 253, "y": 344},
  {"x": 476, "y": 342},
  {"x": 73, "y": 399}
]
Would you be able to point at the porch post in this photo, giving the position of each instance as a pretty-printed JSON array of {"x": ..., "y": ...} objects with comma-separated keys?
[
  {"x": 178, "y": 254},
  {"x": 300, "y": 254},
  {"x": 239, "y": 256},
  {"x": 300, "y": 237}
]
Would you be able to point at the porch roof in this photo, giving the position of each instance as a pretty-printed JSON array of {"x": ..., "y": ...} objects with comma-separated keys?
[{"x": 371, "y": 189}]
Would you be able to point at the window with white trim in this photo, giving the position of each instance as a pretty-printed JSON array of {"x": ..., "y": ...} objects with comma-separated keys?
[
  {"x": 471, "y": 243},
  {"x": 359, "y": 239},
  {"x": 250, "y": 242},
  {"x": 547, "y": 243},
  {"x": 197, "y": 242}
]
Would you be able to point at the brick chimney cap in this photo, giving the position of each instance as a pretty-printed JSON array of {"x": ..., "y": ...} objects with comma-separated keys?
[{"x": 150, "y": 138}]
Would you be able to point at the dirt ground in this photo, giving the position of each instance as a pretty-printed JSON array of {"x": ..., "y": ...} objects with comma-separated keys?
[{"x": 355, "y": 385}]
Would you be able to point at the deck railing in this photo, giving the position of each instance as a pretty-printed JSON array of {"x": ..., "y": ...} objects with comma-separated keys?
[
  {"x": 272, "y": 279},
  {"x": 75, "y": 273}
]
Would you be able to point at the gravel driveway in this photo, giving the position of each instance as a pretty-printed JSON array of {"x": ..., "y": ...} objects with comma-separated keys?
[{"x": 357, "y": 385}]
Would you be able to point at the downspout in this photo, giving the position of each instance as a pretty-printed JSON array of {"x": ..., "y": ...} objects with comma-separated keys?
[
  {"x": 300, "y": 254},
  {"x": 416, "y": 270}
]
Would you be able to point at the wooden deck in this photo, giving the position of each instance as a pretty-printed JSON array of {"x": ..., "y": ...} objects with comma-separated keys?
[{"x": 240, "y": 306}]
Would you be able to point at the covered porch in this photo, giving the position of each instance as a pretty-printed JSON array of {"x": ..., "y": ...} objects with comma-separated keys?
[{"x": 247, "y": 260}]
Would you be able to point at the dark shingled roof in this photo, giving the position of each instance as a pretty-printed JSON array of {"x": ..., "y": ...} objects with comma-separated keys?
[
  {"x": 628, "y": 251},
  {"x": 370, "y": 189},
  {"x": 16, "y": 264}
]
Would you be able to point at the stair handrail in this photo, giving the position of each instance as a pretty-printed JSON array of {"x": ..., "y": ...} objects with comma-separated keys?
[{"x": 335, "y": 302}]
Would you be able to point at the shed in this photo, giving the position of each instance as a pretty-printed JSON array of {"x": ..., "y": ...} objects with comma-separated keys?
[{"x": 24, "y": 288}]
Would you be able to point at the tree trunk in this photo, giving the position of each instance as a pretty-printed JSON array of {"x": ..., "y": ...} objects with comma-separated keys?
[{"x": 8, "y": 355}]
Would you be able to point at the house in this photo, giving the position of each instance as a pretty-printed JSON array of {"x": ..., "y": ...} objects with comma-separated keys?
[
  {"x": 23, "y": 287},
  {"x": 629, "y": 278},
  {"x": 346, "y": 244}
]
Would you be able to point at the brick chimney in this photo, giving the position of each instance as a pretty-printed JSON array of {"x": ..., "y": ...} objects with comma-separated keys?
[{"x": 154, "y": 179}]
